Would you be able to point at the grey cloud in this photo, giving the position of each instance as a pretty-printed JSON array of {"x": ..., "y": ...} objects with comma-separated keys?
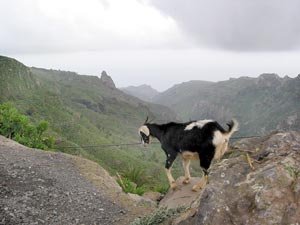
[
  {"x": 47, "y": 26},
  {"x": 26, "y": 29},
  {"x": 240, "y": 25}
]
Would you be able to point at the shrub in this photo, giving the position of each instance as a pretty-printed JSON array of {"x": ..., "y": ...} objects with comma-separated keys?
[
  {"x": 161, "y": 189},
  {"x": 16, "y": 126},
  {"x": 137, "y": 175},
  {"x": 130, "y": 187}
]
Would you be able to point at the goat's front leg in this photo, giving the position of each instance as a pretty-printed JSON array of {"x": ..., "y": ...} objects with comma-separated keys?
[
  {"x": 186, "y": 166},
  {"x": 171, "y": 156}
]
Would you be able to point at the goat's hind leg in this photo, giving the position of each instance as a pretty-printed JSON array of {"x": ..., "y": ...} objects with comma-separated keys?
[
  {"x": 186, "y": 166},
  {"x": 201, "y": 184},
  {"x": 204, "y": 164}
]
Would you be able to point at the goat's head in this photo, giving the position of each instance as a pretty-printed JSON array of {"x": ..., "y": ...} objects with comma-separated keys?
[{"x": 145, "y": 133}]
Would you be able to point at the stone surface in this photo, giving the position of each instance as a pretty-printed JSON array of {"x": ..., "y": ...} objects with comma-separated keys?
[
  {"x": 268, "y": 193},
  {"x": 39, "y": 187},
  {"x": 107, "y": 80},
  {"x": 152, "y": 195},
  {"x": 183, "y": 195},
  {"x": 141, "y": 200}
]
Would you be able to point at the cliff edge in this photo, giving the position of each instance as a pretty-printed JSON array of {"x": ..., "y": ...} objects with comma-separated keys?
[{"x": 257, "y": 182}]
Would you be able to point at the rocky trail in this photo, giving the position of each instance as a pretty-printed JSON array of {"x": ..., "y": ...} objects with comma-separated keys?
[{"x": 39, "y": 187}]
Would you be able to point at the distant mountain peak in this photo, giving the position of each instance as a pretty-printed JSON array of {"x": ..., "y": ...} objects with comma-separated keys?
[
  {"x": 269, "y": 76},
  {"x": 144, "y": 92},
  {"x": 107, "y": 80},
  {"x": 269, "y": 79}
]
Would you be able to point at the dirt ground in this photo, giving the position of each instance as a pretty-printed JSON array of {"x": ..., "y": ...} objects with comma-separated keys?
[{"x": 39, "y": 187}]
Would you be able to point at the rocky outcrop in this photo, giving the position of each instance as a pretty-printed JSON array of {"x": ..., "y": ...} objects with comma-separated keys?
[
  {"x": 269, "y": 80},
  {"x": 107, "y": 80},
  {"x": 257, "y": 183}
]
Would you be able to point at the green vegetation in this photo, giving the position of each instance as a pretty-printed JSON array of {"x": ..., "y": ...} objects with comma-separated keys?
[
  {"x": 136, "y": 180},
  {"x": 83, "y": 111},
  {"x": 293, "y": 172},
  {"x": 137, "y": 175},
  {"x": 16, "y": 126},
  {"x": 160, "y": 216},
  {"x": 129, "y": 186},
  {"x": 162, "y": 189}
]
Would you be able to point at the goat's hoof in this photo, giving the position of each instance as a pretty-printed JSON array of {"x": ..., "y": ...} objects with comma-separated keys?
[
  {"x": 196, "y": 188},
  {"x": 173, "y": 186},
  {"x": 186, "y": 181}
]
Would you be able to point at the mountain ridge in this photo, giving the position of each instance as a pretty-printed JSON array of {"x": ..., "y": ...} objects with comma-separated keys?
[
  {"x": 261, "y": 104},
  {"x": 144, "y": 92}
]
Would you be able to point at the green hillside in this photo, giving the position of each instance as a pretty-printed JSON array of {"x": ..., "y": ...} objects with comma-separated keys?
[
  {"x": 260, "y": 104},
  {"x": 84, "y": 110}
]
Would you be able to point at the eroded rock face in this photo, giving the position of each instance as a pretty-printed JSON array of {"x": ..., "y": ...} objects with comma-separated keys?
[
  {"x": 107, "y": 80},
  {"x": 269, "y": 193}
]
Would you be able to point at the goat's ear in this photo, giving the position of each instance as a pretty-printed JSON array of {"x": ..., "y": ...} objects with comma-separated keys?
[{"x": 146, "y": 120}]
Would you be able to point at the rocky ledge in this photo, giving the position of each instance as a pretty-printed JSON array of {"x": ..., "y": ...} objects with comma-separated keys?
[{"x": 257, "y": 182}]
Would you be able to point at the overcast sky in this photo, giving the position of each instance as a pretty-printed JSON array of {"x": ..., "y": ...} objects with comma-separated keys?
[{"x": 157, "y": 42}]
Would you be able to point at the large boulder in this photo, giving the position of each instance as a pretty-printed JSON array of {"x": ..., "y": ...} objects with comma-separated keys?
[{"x": 258, "y": 182}]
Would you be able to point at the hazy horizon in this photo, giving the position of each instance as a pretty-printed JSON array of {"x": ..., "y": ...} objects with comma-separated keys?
[
  {"x": 155, "y": 42},
  {"x": 171, "y": 84}
]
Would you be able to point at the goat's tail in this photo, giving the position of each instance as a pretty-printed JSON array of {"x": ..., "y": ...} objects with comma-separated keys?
[{"x": 233, "y": 126}]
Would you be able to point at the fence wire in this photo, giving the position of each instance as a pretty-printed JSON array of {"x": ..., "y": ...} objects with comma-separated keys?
[{"x": 135, "y": 143}]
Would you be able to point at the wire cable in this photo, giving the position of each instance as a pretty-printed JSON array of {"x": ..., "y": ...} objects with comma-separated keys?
[{"x": 133, "y": 144}]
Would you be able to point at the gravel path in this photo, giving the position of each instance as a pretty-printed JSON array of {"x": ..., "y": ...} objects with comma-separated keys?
[{"x": 38, "y": 187}]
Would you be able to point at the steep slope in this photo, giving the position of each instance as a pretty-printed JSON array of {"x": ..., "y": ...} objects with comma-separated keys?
[
  {"x": 260, "y": 104},
  {"x": 143, "y": 92},
  {"x": 15, "y": 78},
  {"x": 178, "y": 96},
  {"x": 267, "y": 191},
  {"x": 38, "y": 187},
  {"x": 82, "y": 110}
]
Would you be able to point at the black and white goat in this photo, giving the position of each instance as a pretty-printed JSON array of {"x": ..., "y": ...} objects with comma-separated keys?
[{"x": 205, "y": 140}]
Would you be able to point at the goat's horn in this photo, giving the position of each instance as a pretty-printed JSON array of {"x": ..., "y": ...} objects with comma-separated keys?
[{"x": 146, "y": 120}]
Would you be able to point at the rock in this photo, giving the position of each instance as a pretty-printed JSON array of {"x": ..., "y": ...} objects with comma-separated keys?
[
  {"x": 140, "y": 200},
  {"x": 61, "y": 189},
  {"x": 183, "y": 195},
  {"x": 269, "y": 194},
  {"x": 269, "y": 80},
  {"x": 107, "y": 80},
  {"x": 152, "y": 195}
]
